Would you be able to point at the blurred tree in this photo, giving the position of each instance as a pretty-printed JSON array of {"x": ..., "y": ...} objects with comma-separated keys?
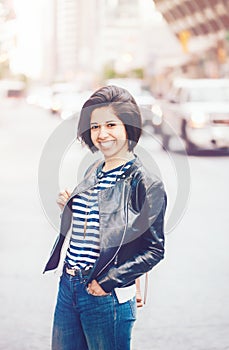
[
  {"x": 227, "y": 35},
  {"x": 109, "y": 72},
  {"x": 137, "y": 73}
]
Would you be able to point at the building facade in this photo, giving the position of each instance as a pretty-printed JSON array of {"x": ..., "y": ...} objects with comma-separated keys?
[
  {"x": 202, "y": 27},
  {"x": 88, "y": 35}
]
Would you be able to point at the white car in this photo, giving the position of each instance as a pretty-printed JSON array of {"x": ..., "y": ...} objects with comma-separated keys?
[
  {"x": 197, "y": 110},
  {"x": 68, "y": 103},
  {"x": 12, "y": 88}
]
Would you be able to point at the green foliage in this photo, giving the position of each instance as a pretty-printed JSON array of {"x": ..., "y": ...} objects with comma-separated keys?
[
  {"x": 227, "y": 35},
  {"x": 137, "y": 73},
  {"x": 110, "y": 73}
]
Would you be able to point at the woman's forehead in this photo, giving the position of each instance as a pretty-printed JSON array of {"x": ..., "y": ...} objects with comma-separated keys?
[{"x": 103, "y": 114}]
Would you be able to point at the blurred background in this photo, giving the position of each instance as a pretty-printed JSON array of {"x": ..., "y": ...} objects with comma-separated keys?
[
  {"x": 55, "y": 53},
  {"x": 173, "y": 56},
  {"x": 84, "y": 43}
]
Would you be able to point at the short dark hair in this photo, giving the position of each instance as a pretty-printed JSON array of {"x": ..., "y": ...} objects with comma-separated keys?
[{"x": 125, "y": 108}]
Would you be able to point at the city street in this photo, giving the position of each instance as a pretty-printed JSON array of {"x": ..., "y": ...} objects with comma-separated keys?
[{"x": 187, "y": 304}]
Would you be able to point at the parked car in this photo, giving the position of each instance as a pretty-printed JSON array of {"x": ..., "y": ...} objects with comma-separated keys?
[
  {"x": 64, "y": 99},
  {"x": 68, "y": 104},
  {"x": 150, "y": 108},
  {"x": 197, "y": 110},
  {"x": 12, "y": 88},
  {"x": 40, "y": 96}
]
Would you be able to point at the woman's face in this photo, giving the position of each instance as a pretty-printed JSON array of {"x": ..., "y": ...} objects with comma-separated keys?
[{"x": 108, "y": 133}]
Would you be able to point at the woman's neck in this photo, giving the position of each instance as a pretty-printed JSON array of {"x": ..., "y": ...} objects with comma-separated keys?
[{"x": 112, "y": 163}]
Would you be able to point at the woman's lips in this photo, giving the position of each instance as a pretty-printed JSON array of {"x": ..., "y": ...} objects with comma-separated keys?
[{"x": 106, "y": 144}]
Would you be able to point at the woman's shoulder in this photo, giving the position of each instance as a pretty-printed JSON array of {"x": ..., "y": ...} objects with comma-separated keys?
[
  {"x": 145, "y": 175},
  {"x": 145, "y": 184}
]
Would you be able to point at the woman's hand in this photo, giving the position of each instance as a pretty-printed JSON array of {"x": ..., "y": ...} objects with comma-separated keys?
[
  {"x": 62, "y": 198},
  {"x": 139, "y": 299},
  {"x": 138, "y": 293},
  {"x": 95, "y": 289}
]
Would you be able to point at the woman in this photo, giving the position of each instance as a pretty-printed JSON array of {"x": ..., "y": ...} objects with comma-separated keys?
[{"x": 117, "y": 214}]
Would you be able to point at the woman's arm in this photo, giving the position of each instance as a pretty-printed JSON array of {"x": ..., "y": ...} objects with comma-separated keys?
[
  {"x": 151, "y": 250},
  {"x": 138, "y": 293}
]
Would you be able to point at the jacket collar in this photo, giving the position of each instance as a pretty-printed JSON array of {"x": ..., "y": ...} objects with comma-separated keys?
[
  {"x": 91, "y": 178},
  {"x": 134, "y": 166}
]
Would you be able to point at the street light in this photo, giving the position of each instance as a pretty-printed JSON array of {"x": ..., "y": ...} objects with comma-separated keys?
[{"x": 184, "y": 36}]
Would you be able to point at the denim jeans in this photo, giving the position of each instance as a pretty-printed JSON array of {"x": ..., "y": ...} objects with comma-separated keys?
[{"x": 86, "y": 322}]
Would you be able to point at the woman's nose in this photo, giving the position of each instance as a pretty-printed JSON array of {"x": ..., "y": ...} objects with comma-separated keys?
[{"x": 102, "y": 131}]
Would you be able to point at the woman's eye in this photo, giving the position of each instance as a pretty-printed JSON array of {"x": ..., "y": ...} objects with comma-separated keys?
[
  {"x": 111, "y": 125},
  {"x": 94, "y": 127}
]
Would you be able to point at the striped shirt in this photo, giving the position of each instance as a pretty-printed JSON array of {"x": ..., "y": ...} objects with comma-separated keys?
[{"x": 84, "y": 247}]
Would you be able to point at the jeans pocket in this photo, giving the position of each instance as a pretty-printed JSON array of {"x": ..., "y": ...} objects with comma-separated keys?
[{"x": 133, "y": 307}]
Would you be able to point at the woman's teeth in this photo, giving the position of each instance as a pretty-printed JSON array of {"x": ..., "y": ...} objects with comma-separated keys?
[{"x": 107, "y": 144}]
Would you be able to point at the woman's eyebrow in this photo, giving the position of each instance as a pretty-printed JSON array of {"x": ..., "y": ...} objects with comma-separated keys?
[{"x": 108, "y": 121}]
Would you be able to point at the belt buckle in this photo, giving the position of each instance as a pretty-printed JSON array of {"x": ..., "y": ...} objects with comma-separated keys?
[
  {"x": 72, "y": 272},
  {"x": 76, "y": 272}
]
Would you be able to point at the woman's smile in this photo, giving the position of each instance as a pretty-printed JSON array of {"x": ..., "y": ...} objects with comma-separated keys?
[
  {"x": 108, "y": 134},
  {"x": 106, "y": 144}
]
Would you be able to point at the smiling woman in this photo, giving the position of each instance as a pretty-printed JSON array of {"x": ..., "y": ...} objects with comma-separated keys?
[{"x": 117, "y": 216}]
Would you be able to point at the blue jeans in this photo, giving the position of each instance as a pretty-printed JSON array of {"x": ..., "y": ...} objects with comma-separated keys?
[{"x": 86, "y": 322}]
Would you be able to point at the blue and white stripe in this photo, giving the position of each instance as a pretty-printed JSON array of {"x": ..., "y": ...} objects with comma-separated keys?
[{"x": 83, "y": 252}]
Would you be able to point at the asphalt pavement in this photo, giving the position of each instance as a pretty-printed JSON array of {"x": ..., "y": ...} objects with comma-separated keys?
[{"x": 187, "y": 305}]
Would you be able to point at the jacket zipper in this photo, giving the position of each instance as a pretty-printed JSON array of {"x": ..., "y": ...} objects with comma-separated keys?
[{"x": 116, "y": 253}]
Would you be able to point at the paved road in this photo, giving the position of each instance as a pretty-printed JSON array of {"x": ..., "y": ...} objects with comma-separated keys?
[{"x": 187, "y": 306}]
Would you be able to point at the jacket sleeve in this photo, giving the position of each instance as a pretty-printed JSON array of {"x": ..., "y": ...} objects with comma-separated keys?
[{"x": 151, "y": 249}]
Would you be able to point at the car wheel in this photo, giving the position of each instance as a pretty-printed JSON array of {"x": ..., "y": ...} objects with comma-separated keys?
[{"x": 191, "y": 148}]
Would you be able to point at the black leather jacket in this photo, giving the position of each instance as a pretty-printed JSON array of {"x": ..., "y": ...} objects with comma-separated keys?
[{"x": 131, "y": 220}]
